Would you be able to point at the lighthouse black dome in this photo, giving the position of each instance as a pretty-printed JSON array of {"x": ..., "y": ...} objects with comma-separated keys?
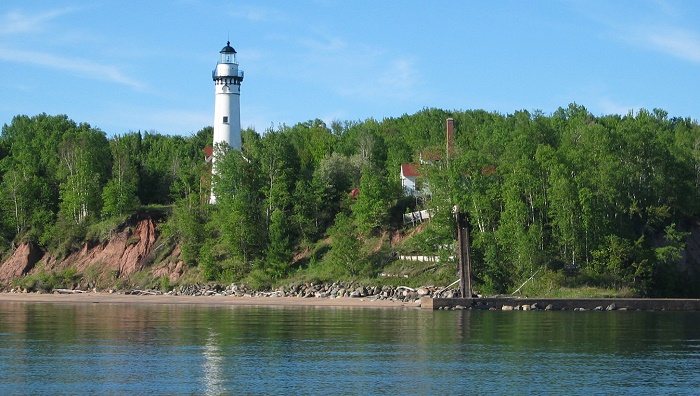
[{"x": 227, "y": 49}]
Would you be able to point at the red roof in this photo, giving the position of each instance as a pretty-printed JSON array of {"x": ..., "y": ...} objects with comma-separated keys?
[{"x": 410, "y": 170}]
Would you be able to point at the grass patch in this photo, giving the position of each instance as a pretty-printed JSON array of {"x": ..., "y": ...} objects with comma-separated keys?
[
  {"x": 47, "y": 282},
  {"x": 419, "y": 273},
  {"x": 555, "y": 284},
  {"x": 104, "y": 229}
]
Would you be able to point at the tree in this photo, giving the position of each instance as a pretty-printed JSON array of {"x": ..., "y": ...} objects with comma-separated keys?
[
  {"x": 377, "y": 196},
  {"x": 83, "y": 153},
  {"x": 345, "y": 253},
  {"x": 313, "y": 142},
  {"x": 161, "y": 158},
  {"x": 309, "y": 216},
  {"x": 339, "y": 174},
  {"x": 278, "y": 254},
  {"x": 240, "y": 215},
  {"x": 32, "y": 151},
  {"x": 279, "y": 165},
  {"x": 17, "y": 196},
  {"x": 120, "y": 193}
]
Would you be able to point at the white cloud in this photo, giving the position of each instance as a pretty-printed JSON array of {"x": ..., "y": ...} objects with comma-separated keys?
[
  {"x": 121, "y": 118},
  {"x": 356, "y": 69},
  {"x": 683, "y": 44},
  {"x": 82, "y": 67},
  {"x": 258, "y": 14},
  {"x": 180, "y": 122},
  {"x": 661, "y": 26},
  {"x": 393, "y": 79},
  {"x": 14, "y": 22},
  {"x": 328, "y": 44},
  {"x": 609, "y": 106},
  {"x": 19, "y": 22},
  {"x": 400, "y": 76}
]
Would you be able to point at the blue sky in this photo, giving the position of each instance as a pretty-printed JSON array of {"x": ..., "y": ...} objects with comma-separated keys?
[{"x": 146, "y": 65}]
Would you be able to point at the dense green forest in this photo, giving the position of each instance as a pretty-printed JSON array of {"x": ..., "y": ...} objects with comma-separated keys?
[{"x": 611, "y": 198}]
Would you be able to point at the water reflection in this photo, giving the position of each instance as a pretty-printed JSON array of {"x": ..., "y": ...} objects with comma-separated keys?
[
  {"x": 213, "y": 361},
  {"x": 123, "y": 349}
]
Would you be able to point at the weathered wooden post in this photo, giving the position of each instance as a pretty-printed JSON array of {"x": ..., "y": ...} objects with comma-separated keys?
[{"x": 464, "y": 253}]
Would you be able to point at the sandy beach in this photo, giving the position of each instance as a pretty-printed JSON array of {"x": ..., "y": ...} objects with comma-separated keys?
[{"x": 113, "y": 298}]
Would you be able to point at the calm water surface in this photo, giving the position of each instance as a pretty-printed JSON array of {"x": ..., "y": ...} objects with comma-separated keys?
[{"x": 166, "y": 349}]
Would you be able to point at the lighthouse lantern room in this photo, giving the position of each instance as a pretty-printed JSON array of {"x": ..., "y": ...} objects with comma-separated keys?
[{"x": 227, "y": 105}]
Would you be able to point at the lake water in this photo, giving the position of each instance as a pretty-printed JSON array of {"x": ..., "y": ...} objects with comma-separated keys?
[{"x": 121, "y": 349}]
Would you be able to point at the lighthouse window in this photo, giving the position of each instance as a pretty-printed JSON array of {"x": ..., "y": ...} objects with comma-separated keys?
[{"x": 225, "y": 120}]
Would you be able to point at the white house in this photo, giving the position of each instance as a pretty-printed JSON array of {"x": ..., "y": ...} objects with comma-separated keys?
[{"x": 409, "y": 174}]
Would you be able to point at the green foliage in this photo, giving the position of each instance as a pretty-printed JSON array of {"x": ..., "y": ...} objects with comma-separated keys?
[
  {"x": 309, "y": 216},
  {"x": 556, "y": 284},
  {"x": 47, "y": 282},
  {"x": 120, "y": 193},
  {"x": 104, "y": 229},
  {"x": 239, "y": 216},
  {"x": 377, "y": 197},
  {"x": 30, "y": 193},
  {"x": 278, "y": 254},
  {"x": 339, "y": 174},
  {"x": 187, "y": 224},
  {"x": 592, "y": 193},
  {"x": 610, "y": 196},
  {"x": 165, "y": 284},
  {"x": 345, "y": 255},
  {"x": 82, "y": 171}
]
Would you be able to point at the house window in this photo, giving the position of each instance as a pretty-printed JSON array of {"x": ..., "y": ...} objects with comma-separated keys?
[{"x": 225, "y": 120}]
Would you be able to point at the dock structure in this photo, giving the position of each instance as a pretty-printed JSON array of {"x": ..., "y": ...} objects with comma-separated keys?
[{"x": 558, "y": 304}]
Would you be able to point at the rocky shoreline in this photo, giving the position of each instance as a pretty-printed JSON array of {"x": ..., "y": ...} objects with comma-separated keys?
[
  {"x": 345, "y": 294},
  {"x": 311, "y": 290},
  {"x": 305, "y": 290}
]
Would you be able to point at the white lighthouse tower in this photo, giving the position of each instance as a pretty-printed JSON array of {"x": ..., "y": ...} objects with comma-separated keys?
[{"x": 227, "y": 103}]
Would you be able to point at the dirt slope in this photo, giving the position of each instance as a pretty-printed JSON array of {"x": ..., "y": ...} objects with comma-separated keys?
[{"x": 131, "y": 249}]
